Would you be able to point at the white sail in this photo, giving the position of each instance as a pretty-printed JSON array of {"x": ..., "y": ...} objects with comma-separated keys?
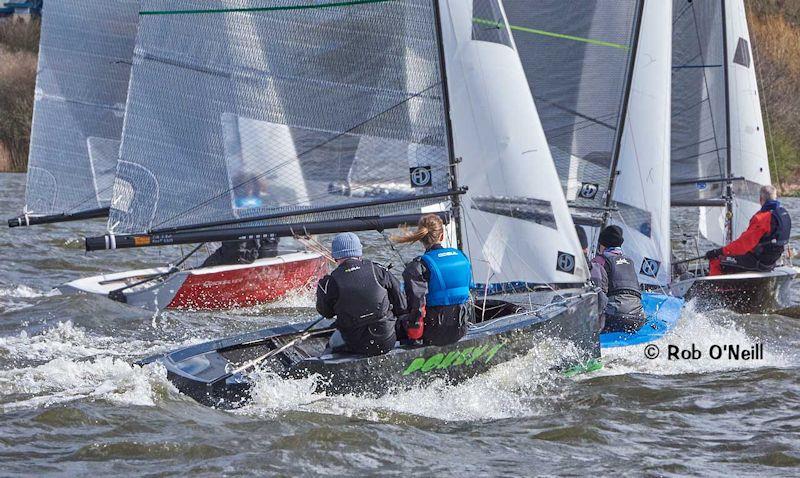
[
  {"x": 81, "y": 86},
  {"x": 268, "y": 107},
  {"x": 515, "y": 220},
  {"x": 717, "y": 125},
  {"x": 748, "y": 148},
  {"x": 644, "y": 173}
]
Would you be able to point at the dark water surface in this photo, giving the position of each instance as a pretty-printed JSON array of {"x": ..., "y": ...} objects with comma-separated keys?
[{"x": 70, "y": 403}]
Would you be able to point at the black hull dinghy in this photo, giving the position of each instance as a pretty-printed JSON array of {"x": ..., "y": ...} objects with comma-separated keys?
[
  {"x": 220, "y": 373},
  {"x": 743, "y": 293}
]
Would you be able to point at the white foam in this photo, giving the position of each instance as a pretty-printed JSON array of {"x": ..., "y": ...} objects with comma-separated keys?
[
  {"x": 61, "y": 380},
  {"x": 524, "y": 386},
  {"x": 701, "y": 329},
  {"x": 65, "y": 340},
  {"x": 21, "y": 291},
  {"x": 18, "y": 297},
  {"x": 66, "y": 363}
]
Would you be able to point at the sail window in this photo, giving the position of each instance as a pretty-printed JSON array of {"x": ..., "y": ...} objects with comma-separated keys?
[
  {"x": 527, "y": 209},
  {"x": 488, "y": 23},
  {"x": 742, "y": 55}
]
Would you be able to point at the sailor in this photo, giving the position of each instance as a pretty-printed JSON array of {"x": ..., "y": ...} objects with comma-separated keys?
[
  {"x": 616, "y": 276},
  {"x": 242, "y": 252},
  {"x": 365, "y": 298},
  {"x": 761, "y": 245},
  {"x": 437, "y": 286}
]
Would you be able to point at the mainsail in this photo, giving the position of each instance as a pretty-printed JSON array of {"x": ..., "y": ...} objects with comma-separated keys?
[
  {"x": 81, "y": 88},
  {"x": 597, "y": 74},
  {"x": 719, "y": 154},
  {"x": 248, "y": 111},
  {"x": 349, "y": 103},
  {"x": 517, "y": 228}
]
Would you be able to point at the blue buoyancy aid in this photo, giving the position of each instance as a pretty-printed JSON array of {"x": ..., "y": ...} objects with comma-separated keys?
[{"x": 451, "y": 276}]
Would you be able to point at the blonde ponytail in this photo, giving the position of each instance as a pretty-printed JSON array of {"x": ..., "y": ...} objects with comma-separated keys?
[{"x": 429, "y": 231}]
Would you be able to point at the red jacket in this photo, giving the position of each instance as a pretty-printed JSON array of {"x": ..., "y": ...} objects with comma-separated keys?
[{"x": 760, "y": 226}]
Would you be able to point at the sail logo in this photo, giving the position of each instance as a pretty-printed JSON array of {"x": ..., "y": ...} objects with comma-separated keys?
[
  {"x": 455, "y": 358},
  {"x": 421, "y": 176},
  {"x": 565, "y": 262},
  {"x": 650, "y": 267},
  {"x": 589, "y": 190}
]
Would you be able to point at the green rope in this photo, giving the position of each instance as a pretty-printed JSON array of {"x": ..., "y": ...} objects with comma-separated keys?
[
  {"x": 261, "y": 9},
  {"x": 492, "y": 23}
]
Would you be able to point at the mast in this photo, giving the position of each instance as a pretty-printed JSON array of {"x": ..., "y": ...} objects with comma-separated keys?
[
  {"x": 728, "y": 160},
  {"x": 623, "y": 114},
  {"x": 456, "y": 200}
]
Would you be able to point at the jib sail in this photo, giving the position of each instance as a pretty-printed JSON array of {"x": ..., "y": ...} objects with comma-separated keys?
[
  {"x": 246, "y": 112},
  {"x": 81, "y": 88},
  {"x": 597, "y": 75},
  {"x": 517, "y": 228},
  {"x": 719, "y": 155}
]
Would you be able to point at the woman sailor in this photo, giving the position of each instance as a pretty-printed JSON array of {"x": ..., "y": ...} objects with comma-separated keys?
[{"x": 437, "y": 286}]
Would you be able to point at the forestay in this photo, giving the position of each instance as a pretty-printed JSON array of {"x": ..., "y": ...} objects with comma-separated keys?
[
  {"x": 81, "y": 87},
  {"x": 604, "y": 104},
  {"x": 717, "y": 128},
  {"x": 516, "y": 226},
  {"x": 246, "y": 108}
]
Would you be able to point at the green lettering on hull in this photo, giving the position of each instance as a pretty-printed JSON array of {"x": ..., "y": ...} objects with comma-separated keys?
[{"x": 455, "y": 358}]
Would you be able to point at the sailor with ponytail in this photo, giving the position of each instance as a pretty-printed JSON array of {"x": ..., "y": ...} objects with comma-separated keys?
[{"x": 437, "y": 287}]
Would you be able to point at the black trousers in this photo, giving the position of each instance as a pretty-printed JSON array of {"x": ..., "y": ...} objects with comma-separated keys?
[
  {"x": 745, "y": 263},
  {"x": 374, "y": 339},
  {"x": 446, "y": 324},
  {"x": 623, "y": 323}
]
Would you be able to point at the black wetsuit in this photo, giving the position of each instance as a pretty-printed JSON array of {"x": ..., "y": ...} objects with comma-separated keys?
[{"x": 365, "y": 298}]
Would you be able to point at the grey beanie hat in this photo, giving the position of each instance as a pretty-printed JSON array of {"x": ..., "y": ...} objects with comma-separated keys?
[{"x": 346, "y": 244}]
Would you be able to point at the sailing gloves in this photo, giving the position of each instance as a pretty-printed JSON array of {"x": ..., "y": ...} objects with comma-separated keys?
[{"x": 713, "y": 254}]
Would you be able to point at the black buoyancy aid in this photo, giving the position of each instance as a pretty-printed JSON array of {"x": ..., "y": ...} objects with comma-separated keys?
[
  {"x": 362, "y": 299},
  {"x": 771, "y": 246},
  {"x": 622, "y": 276}
]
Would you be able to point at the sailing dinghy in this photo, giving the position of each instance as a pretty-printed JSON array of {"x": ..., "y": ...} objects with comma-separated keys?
[
  {"x": 719, "y": 153},
  {"x": 395, "y": 85},
  {"x": 86, "y": 50},
  {"x": 600, "y": 77}
]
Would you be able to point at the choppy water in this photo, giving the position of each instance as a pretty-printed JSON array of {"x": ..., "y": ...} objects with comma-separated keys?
[{"x": 71, "y": 404}]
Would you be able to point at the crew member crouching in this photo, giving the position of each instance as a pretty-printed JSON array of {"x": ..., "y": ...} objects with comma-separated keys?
[
  {"x": 617, "y": 278},
  {"x": 761, "y": 245},
  {"x": 364, "y": 297}
]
